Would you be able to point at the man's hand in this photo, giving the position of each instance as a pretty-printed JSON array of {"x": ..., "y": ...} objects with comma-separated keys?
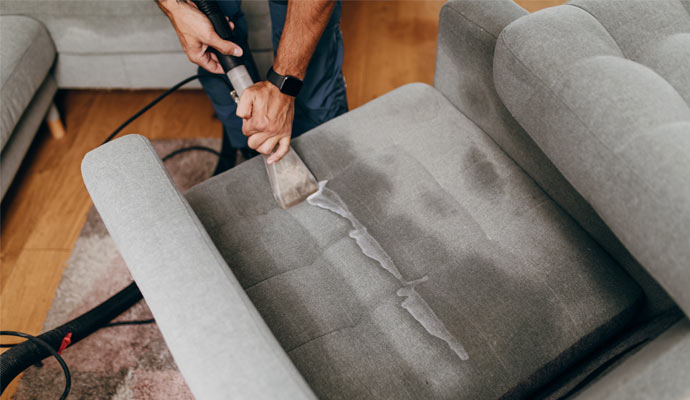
[
  {"x": 267, "y": 112},
  {"x": 268, "y": 116},
  {"x": 196, "y": 34}
]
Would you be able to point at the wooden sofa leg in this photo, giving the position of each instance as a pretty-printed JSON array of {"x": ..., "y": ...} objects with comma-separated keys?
[{"x": 57, "y": 129}]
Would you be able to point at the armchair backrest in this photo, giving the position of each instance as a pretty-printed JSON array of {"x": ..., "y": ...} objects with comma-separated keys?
[
  {"x": 465, "y": 73},
  {"x": 602, "y": 87}
]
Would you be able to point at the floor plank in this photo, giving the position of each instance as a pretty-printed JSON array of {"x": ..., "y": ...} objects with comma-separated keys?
[
  {"x": 536, "y": 5},
  {"x": 388, "y": 44}
]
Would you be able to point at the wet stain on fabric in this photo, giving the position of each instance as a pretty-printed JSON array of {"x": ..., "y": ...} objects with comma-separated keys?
[
  {"x": 419, "y": 309},
  {"x": 482, "y": 173}
]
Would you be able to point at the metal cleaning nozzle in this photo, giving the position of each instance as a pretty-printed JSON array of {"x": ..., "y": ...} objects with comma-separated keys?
[{"x": 291, "y": 180}]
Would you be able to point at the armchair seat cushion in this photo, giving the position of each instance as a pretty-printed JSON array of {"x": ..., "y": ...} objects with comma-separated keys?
[{"x": 505, "y": 272}]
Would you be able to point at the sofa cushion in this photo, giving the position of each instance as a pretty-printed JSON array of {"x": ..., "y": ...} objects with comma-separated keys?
[
  {"x": 27, "y": 55},
  {"x": 602, "y": 87},
  {"x": 122, "y": 26},
  {"x": 516, "y": 282},
  {"x": 126, "y": 43}
]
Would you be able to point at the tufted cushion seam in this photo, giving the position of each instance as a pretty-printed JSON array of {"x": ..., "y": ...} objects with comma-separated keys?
[
  {"x": 664, "y": 78},
  {"x": 586, "y": 127},
  {"x": 603, "y": 26},
  {"x": 687, "y": 10}
]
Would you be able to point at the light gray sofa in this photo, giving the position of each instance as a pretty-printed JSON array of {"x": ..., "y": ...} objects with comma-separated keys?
[
  {"x": 127, "y": 44},
  {"x": 27, "y": 87},
  {"x": 86, "y": 44},
  {"x": 539, "y": 189}
]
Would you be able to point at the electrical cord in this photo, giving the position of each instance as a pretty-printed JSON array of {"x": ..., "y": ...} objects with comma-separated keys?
[
  {"x": 108, "y": 325},
  {"x": 161, "y": 97},
  {"x": 63, "y": 364},
  {"x": 40, "y": 342},
  {"x": 48, "y": 348},
  {"x": 148, "y": 106},
  {"x": 185, "y": 149}
]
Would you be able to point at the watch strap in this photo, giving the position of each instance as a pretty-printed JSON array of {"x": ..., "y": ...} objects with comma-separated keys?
[{"x": 287, "y": 84}]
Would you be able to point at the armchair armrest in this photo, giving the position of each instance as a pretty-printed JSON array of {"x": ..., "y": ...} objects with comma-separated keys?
[
  {"x": 467, "y": 33},
  {"x": 219, "y": 341}
]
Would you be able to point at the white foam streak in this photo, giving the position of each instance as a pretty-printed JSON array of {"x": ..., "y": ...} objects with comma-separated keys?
[{"x": 414, "y": 303}]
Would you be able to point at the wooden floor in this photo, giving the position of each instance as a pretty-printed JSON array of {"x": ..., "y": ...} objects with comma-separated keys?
[{"x": 388, "y": 44}]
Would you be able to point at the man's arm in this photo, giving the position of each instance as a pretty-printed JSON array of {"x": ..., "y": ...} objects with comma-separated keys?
[
  {"x": 267, "y": 112},
  {"x": 196, "y": 34},
  {"x": 304, "y": 24}
]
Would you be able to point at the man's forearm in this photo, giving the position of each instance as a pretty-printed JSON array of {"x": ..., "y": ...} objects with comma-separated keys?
[
  {"x": 165, "y": 4},
  {"x": 304, "y": 24}
]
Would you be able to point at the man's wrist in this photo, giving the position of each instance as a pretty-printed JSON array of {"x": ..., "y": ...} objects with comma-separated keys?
[
  {"x": 284, "y": 68},
  {"x": 276, "y": 92},
  {"x": 287, "y": 84}
]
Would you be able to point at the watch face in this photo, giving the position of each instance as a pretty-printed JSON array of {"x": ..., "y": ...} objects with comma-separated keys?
[{"x": 291, "y": 86}]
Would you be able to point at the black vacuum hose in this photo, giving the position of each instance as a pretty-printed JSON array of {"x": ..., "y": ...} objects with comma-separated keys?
[
  {"x": 212, "y": 10},
  {"x": 23, "y": 355}
]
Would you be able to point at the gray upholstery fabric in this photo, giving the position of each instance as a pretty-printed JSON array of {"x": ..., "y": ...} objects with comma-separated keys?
[
  {"x": 512, "y": 277},
  {"x": 24, "y": 132},
  {"x": 122, "y": 26},
  {"x": 467, "y": 36},
  {"x": 130, "y": 70},
  {"x": 629, "y": 342},
  {"x": 27, "y": 55},
  {"x": 654, "y": 34},
  {"x": 659, "y": 371},
  {"x": 126, "y": 43},
  {"x": 220, "y": 343},
  {"x": 616, "y": 129},
  {"x": 464, "y": 74},
  {"x": 134, "y": 70}
]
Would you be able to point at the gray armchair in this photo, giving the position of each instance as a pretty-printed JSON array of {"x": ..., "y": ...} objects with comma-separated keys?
[{"x": 513, "y": 197}]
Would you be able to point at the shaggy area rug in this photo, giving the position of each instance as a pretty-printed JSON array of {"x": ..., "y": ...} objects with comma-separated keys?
[{"x": 119, "y": 362}]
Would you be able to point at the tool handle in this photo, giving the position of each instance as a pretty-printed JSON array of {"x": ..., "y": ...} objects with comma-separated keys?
[{"x": 211, "y": 9}]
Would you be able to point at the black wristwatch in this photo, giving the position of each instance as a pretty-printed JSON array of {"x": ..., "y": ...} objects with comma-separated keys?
[{"x": 287, "y": 84}]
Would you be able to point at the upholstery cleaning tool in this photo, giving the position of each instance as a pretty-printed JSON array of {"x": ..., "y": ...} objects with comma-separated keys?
[{"x": 291, "y": 180}]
